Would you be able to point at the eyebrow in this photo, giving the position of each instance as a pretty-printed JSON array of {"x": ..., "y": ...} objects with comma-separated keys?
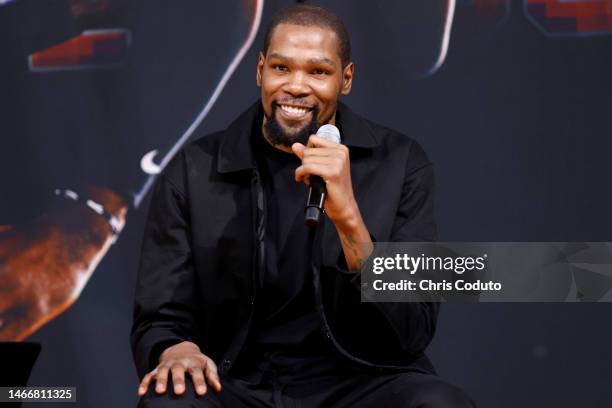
[{"x": 322, "y": 60}]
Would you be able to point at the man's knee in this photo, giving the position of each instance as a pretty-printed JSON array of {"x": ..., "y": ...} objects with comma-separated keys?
[
  {"x": 165, "y": 401},
  {"x": 170, "y": 400}
]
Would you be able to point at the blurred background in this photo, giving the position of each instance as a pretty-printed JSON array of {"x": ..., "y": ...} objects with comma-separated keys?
[{"x": 512, "y": 100}]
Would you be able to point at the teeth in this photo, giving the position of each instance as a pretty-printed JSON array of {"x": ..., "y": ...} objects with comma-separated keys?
[{"x": 292, "y": 110}]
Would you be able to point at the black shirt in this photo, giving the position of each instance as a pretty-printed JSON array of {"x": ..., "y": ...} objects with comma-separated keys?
[
  {"x": 286, "y": 335},
  {"x": 285, "y": 313}
]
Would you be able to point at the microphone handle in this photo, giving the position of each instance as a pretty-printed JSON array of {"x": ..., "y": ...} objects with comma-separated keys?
[{"x": 316, "y": 202}]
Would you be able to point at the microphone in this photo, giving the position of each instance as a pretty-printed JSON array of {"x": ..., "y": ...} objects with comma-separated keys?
[{"x": 316, "y": 193}]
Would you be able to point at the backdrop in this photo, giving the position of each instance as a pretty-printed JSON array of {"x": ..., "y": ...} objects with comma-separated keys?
[{"x": 512, "y": 100}]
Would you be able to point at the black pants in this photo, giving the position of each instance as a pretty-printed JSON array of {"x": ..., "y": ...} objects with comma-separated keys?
[{"x": 373, "y": 389}]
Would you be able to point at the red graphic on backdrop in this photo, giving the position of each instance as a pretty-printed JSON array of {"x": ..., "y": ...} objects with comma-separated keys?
[
  {"x": 92, "y": 49},
  {"x": 571, "y": 17}
]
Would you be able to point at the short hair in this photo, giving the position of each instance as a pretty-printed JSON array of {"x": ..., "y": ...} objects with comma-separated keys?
[{"x": 311, "y": 16}]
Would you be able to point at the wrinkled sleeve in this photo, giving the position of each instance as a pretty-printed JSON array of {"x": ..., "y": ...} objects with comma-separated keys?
[
  {"x": 413, "y": 323},
  {"x": 165, "y": 299}
]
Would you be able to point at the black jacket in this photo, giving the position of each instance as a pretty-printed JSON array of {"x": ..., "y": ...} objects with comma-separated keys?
[{"x": 201, "y": 252}]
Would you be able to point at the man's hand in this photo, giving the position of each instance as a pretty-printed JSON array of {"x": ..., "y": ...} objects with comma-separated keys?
[
  {"x": 331, "y": 162},
  {"x": 175, "y": 361}
]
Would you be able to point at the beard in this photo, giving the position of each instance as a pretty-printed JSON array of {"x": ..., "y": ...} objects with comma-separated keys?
[{"x": 277, "y": 135}]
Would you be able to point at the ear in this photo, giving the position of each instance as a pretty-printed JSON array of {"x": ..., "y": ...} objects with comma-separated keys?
[
  {"x": 261, "y": 60},
  {"x": 347, "y": 78}
]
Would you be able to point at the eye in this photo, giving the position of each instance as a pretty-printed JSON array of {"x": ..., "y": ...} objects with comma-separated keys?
[
  {"x": 319, "y": 71},
  {"x": 280, "y": 67}
]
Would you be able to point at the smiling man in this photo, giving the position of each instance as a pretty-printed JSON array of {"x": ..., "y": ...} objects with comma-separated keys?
[{"x": 238, "y": 303}]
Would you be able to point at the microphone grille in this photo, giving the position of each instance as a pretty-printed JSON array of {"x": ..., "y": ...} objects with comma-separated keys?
[{"x": 330, "y": 133}]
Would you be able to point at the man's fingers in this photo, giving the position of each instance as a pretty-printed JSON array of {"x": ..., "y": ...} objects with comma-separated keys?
[
  {"x": 338, "y": 152},
  {"x": 329, "y": 161},
  {"x": 146, "y": 381},
  {"x": 298, "y": 149},
  {"x": 212, "y": 376},
  {"x": 316, "y": 141},
  {"x": 161, "y": 379},
  {"x": 317, "y": 152},
  {"x": 313, "y": 169},
  {"x": 178, "y": 378},
  {"x": 197, "y": 377}
]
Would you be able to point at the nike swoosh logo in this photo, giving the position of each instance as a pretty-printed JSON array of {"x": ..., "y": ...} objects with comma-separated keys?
[{"x": 148, "y": 165}]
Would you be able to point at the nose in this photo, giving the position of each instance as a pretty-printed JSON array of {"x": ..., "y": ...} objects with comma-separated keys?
[{"x": 297, "y": 84}]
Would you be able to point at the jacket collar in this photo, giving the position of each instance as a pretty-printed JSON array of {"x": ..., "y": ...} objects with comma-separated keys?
[{"x": 236, "y": 153}]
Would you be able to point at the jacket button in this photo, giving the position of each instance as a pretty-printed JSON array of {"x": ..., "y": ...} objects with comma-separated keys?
[
  {"x": 328, "y": 334},
  {"x": 226, "y": 364}
]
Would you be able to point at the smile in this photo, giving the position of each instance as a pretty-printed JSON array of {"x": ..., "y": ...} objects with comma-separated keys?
[{"x": 294, "y": 112}]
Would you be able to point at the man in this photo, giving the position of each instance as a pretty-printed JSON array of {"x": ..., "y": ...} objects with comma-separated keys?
[{"x": 238, "y": 302}]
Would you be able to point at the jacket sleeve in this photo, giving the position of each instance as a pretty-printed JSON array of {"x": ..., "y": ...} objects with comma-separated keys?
[
  {"x": 166, "y": 298},
  {"x": 412, "y": 324}
]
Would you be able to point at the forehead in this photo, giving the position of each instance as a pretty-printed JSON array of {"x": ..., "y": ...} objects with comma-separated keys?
[{"x": 295, "y": 41}]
